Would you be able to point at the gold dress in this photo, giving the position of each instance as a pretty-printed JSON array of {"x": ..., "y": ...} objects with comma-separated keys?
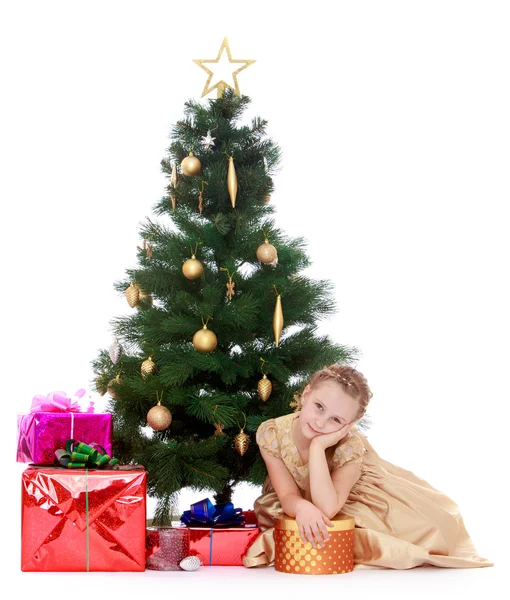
[{"x": 401, "y": 521}]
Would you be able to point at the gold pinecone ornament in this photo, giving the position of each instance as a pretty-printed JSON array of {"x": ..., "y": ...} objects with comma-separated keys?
[
  {"x": 148, "y": 367},
  {"x": 159, "y": 417},
  {"x": 192, "y": 268},
  {"x": 241, "y": 442},
  {"x": 191, "y": 165},
  {"x": 205, "y": 340},
  {"x": 264, "y": 388},
  {"x": 132, "y": 294}
]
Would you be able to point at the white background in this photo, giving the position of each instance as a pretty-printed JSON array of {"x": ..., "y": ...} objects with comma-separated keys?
[{"x": 394, "y": 124}]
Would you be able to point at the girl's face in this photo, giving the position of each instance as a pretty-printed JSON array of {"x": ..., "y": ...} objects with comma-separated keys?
[{"x": 326, "y": 408}]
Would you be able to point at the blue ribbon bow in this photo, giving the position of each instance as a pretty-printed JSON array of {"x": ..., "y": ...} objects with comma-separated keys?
[{"x": 206, "y": 514}]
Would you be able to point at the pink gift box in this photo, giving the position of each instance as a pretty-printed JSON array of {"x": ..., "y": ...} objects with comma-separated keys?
[{"x": 41, "y": 433}]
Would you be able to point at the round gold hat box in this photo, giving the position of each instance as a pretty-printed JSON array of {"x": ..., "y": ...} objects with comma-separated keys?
[{"x": 293, "y": 556}]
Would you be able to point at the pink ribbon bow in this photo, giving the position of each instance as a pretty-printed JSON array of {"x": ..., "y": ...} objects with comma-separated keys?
[{"x": 59, "y": 402}]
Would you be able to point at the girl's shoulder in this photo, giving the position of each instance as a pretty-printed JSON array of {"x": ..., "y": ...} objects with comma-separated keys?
[
  {"x": 270, "y": 432},
  {"x": 350, "y": 449}
]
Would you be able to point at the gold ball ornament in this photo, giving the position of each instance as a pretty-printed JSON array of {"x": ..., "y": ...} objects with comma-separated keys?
[
  {"x": 205, "y": 340},
  {"x": 148, "y": 367},
  {"x": 264, "y": 388},
  {"x": 159, "y": 417},
  {"x": 190, "y": 165},
  {"x": 267, "y": 199},
  {"x": 132, "y": 295},
  {"x": 241, "y": 442},
  {"x": 266, "y": 253},
  {"x": 192, "y": 268}
]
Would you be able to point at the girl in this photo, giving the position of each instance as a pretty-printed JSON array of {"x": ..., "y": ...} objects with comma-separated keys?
[{"x": 319, "y": 464}]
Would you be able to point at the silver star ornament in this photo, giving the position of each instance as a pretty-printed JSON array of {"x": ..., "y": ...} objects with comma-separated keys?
[{"x": 208, "y": 141}]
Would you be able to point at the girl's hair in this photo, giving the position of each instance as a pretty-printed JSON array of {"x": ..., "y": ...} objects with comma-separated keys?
[{"x": 353, "y": 383}]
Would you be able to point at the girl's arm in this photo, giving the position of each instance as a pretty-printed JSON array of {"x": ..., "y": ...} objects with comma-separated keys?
[
  {"x": 329, "y": 491},
  {"x": 284, "y": 485},
  {"x": 311, "y": 520}
]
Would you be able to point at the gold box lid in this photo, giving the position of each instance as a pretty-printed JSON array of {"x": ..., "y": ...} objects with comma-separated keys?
[{"x": 341, "y": 523}]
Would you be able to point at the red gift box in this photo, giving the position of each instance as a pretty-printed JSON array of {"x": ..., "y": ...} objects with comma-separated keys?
[
  {"x": 221, "y": 547},
  {"x": 166, "y": 547},
  {"x": 83, "y": 520}
]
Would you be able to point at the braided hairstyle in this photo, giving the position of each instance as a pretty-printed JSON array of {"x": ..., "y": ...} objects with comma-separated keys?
[{"x": 352, "y": 381}]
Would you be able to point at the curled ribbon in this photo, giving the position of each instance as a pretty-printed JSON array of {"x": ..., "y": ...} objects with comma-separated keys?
[
  {"x": 205, "y": 514},
  {"x": 59, "y": 402},
  {"x": 80, "y": 455}
]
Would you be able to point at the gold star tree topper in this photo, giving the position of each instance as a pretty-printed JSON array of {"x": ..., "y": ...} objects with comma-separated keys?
[{"x": 223, "y": 66}]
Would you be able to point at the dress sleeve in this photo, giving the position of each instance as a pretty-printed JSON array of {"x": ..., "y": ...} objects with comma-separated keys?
[
  {"x": 267, "y": 438},
  {"x": 350, "y": 451}
]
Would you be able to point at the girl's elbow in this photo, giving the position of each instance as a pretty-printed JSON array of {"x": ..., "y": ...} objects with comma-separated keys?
[{"x": 335, "y": 510}]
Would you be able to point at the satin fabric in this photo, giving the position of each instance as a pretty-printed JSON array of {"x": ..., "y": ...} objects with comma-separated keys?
[{"x": 401, "y": 522}]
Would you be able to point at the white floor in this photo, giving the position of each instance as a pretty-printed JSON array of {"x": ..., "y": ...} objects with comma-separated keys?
[{"x": 238, "y": 583}]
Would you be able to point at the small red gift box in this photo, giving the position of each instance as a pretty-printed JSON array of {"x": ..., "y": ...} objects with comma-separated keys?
[
  {"x": 83, "y": 520},
  {"x": 221, "y": 547},
  {"x": 166, "y": 547}
]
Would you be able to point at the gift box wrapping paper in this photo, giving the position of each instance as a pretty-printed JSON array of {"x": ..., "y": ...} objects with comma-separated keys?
[
  {"x": 294, "y": 556},
  {"x": 83, "y": 519},
  {"x": 221, "y": 547},
  {"x": 41, "y": 433},
  {"x": 166, "y": 547}
]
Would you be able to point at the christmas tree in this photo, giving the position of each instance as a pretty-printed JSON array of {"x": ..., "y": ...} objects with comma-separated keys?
[{"x": 204, "y": 357}]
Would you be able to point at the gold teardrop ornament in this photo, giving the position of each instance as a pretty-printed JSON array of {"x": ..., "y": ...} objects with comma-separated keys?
[
  {"x": 232, "y": 181},
  {"x": 278, "y": 319},
  {"x": 173, "y": 185}
]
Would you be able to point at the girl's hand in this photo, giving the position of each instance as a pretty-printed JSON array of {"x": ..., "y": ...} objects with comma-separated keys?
[
  {"x": 325, "y": 440},
  {"x": 312, "y": 524}
]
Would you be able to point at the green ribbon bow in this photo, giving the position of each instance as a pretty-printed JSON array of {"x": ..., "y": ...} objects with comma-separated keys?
[{"x": 80, "y": 455}]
